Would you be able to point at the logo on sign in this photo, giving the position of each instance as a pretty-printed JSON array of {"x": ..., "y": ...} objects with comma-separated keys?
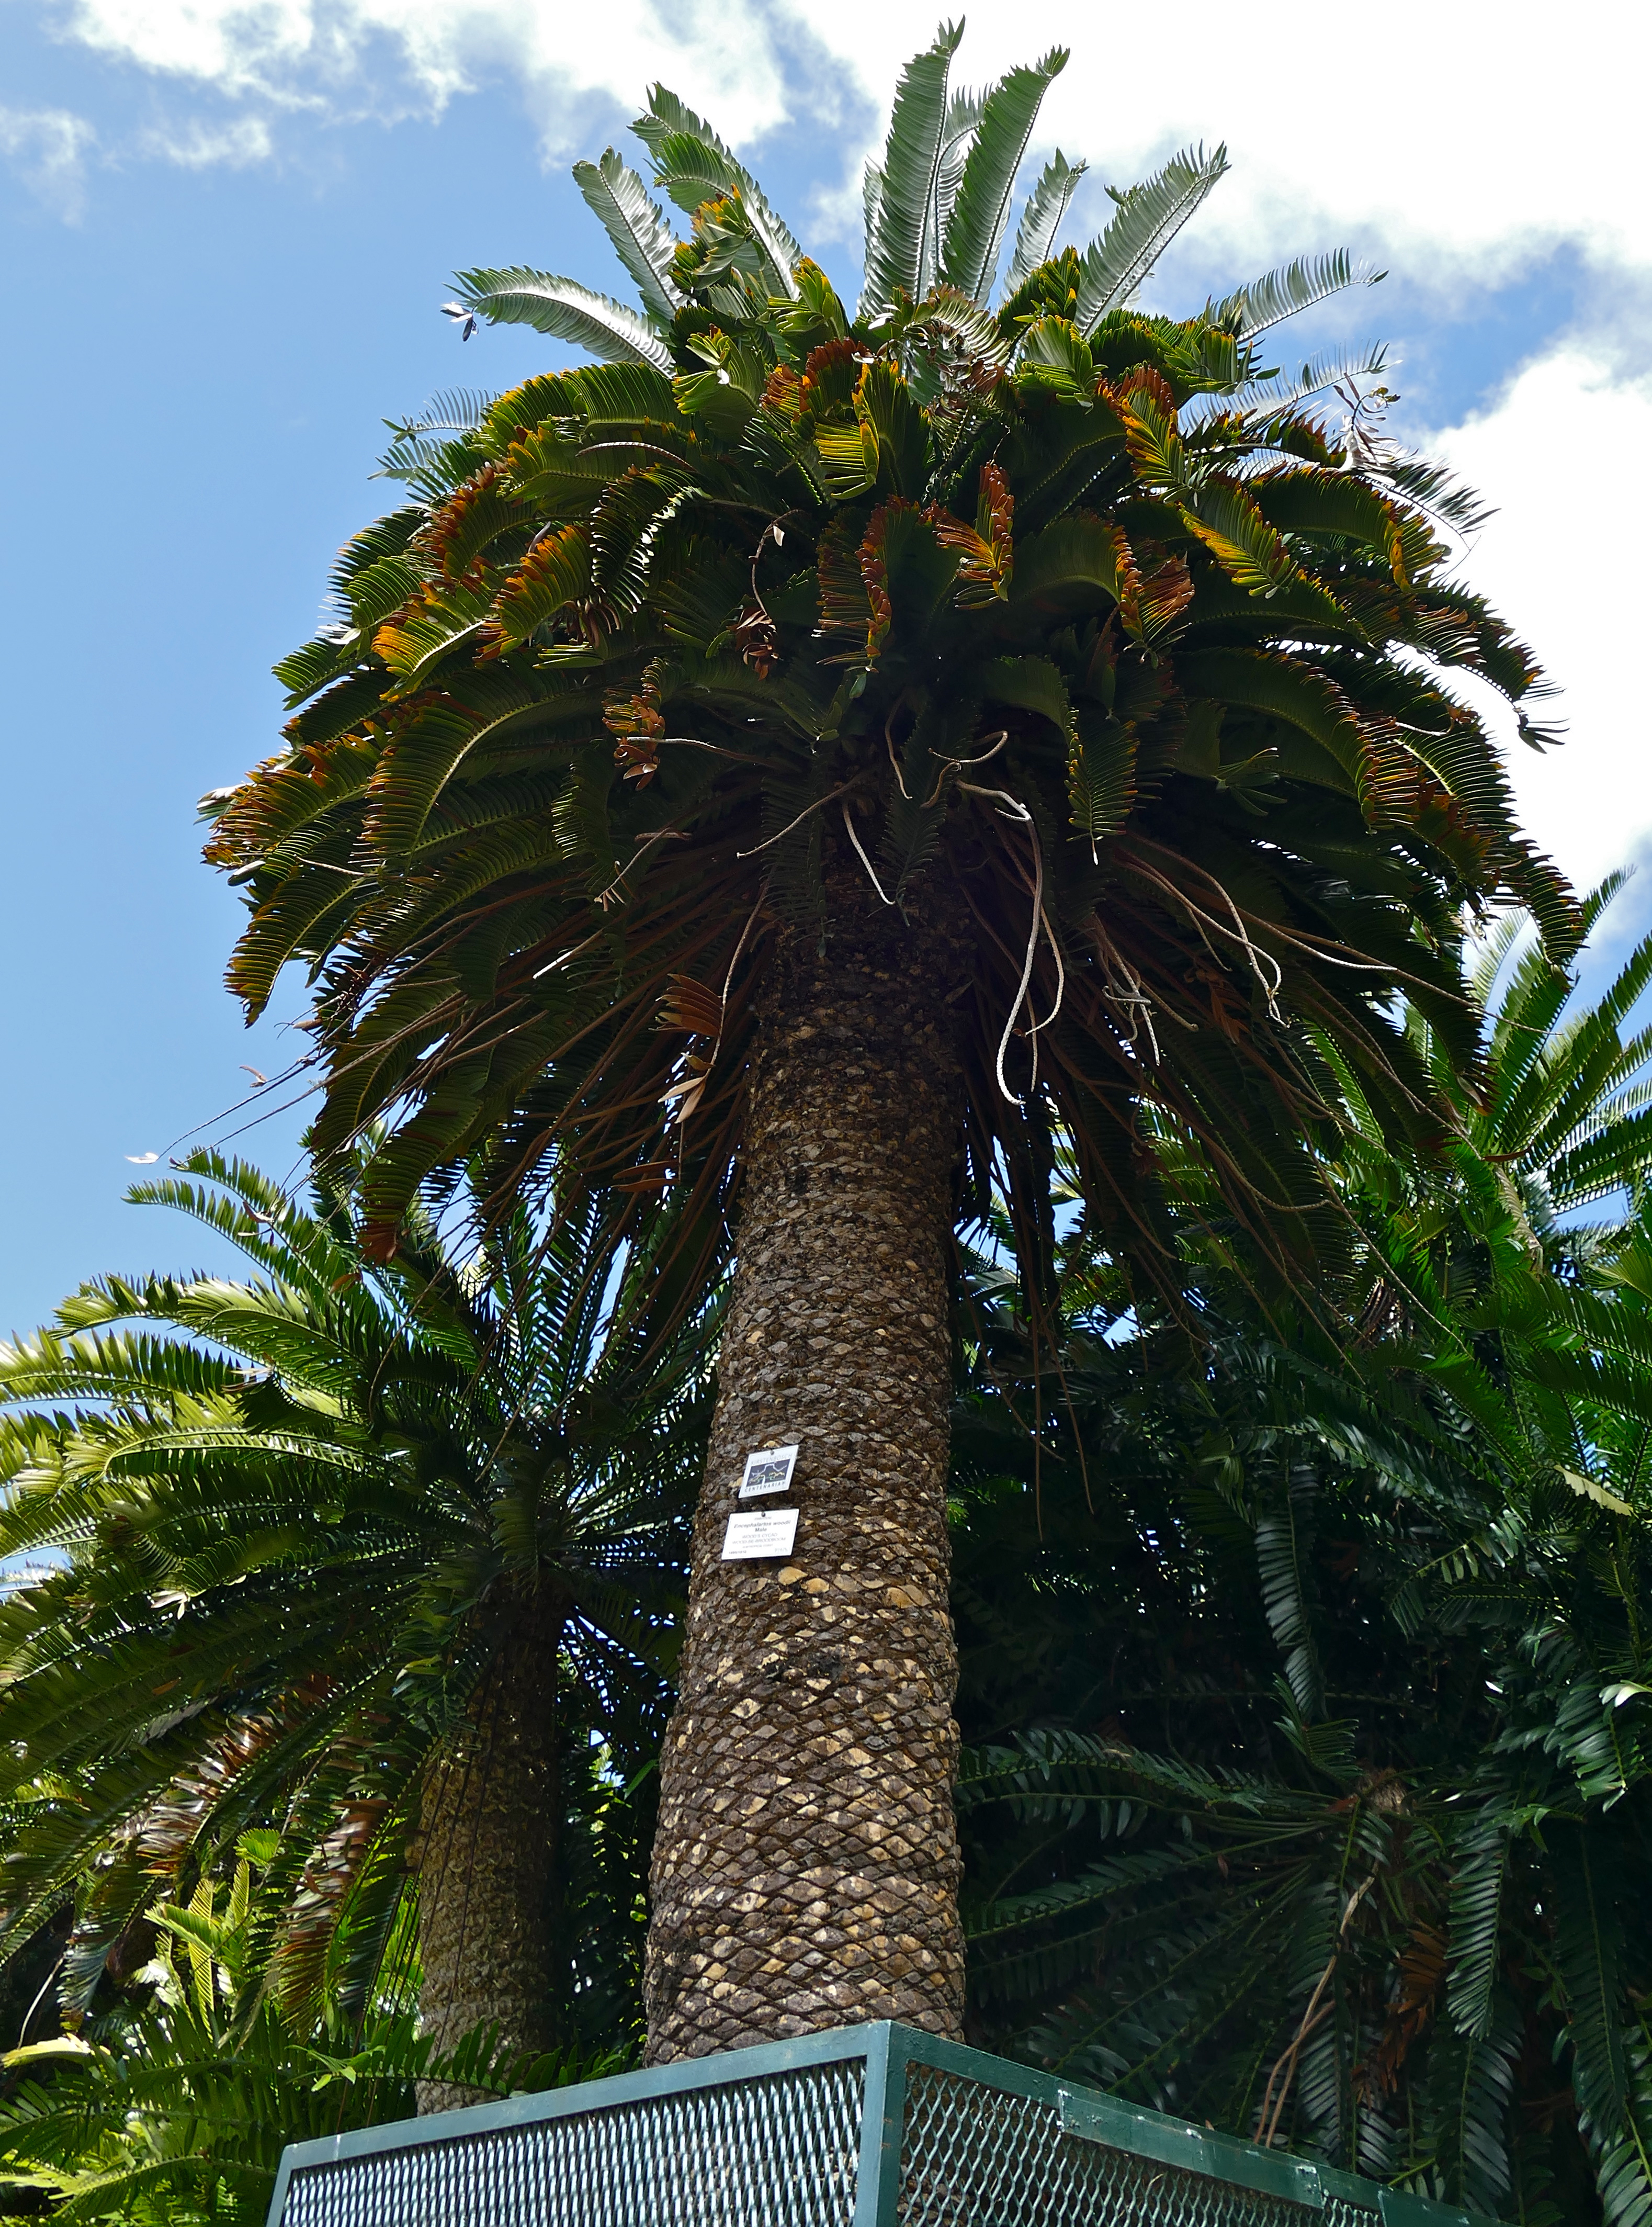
[{"x": 769, "y": 1471}]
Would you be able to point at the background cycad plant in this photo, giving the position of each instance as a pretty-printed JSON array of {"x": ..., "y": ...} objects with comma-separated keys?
[
  {"x": 1307, "y": 1780},
  {"x": 801, "y": 764},
  {"x": 368, "y": 1557}
]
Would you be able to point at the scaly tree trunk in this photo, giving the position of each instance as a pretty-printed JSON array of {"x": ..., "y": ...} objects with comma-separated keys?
[
  {"x": 806, "y": 1867},
  {"x": 486, "y": 1856}
]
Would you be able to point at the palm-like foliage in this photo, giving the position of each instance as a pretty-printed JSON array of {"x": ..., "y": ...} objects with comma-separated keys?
[
  {"x": 1074, "y": 609},
  {"x": 297, "y": 1541},
  {"x": 179, "y": 2107},
  {"x": 1310, "y": 1789},
  {"x": 1496, "y": 1260}
]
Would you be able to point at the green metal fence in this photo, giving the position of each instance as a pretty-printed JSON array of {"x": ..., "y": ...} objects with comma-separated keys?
[{"x": 869, "y": 2126}]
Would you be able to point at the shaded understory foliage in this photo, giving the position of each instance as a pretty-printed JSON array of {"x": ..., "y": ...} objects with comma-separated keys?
[
  {"x": 1307, "y": 1789},
  {"x": 176, "y": 2103}
]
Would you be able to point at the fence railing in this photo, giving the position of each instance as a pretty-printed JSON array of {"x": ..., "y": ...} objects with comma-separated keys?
[{"x": 866, "y": 2126}]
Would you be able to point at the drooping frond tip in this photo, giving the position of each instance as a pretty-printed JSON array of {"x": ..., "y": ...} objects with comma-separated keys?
[
  {"x": 567, "y": 311},
  {"x": 1287, "y": 292}
]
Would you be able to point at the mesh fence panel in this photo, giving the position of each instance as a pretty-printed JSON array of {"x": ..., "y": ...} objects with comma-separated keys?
[
  {"x": 974, "y": 2156},
  {"x": 774, "y": 2153},
  {"x": 774, "y": 2139},
  {"x": 1339, "y": 2212}
]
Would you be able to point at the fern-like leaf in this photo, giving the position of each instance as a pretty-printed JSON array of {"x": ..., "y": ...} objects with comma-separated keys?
[
  {"x": 901, "y": 250},
  {"x": 1287, "y": 292},
  {"x": 1147, "y": 218},
  {"x": 567, "y": 311},
  {"x": 1476, "y": 1908},
  {"x": 973, "y": 235},
  {"x": 1041, "y": 220},
  {"x": 642, "y": 240},
  {"x": 696, "y": 166}
]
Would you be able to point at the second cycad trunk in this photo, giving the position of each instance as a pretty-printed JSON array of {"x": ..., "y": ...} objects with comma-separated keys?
[
  {"x": 806, "y": 1867},
  {"x": 488, "y": 1834}
]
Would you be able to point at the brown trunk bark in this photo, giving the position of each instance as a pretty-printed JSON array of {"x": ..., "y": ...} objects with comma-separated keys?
[
  {"x": 487, "y": 1857},
  {"x": 806, "y": 1867}
]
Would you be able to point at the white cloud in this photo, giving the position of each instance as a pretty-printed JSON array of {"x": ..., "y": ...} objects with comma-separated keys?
[
  {"x": 47, "y": 148},
  {"x": 332, "y": 52},
  {"x": 199, "y": 147},
  {"x": 226, "y": 43},
  {"x": 1463, "y": 138},
  {"x": 1568, "y": 455},
  {"x": 1458, "y": 145}
]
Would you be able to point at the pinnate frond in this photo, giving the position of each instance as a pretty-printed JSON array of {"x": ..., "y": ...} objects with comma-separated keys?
[
  {"x": 642, "y": 238},
  {"x": 1268, "y": 300},
  {"x": 902, "y": 251},
  {"x": 694, "y": 165},
  {"x": 1147, "y": 218},
  {"x": 972, "y": 233},
  {"x": 1041, "y": 220},
  {"x": 567, "y": 311}
]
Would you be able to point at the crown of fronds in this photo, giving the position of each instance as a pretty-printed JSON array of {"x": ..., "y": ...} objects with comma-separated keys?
[{"x": 1081, "y": 607}]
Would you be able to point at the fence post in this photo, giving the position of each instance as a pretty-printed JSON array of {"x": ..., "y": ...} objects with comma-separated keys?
[{"x": 878, "y": 2184}]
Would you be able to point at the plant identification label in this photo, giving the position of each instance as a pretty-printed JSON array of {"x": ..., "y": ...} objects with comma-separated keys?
[
  {"x": 755, "y": 1538},
  {"x": 767, "y": 1472}
]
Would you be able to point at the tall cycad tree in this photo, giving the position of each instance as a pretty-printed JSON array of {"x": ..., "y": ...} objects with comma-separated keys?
[
  {"x": 797, "y": 763},
  {"x": 365, "y": 1554}
]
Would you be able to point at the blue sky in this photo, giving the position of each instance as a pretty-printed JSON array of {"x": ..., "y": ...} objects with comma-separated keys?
[{"x": 227, "y": 232}]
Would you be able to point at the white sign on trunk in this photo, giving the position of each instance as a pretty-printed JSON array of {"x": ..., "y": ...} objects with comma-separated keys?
[
  {"x": 769, "y": 1472},
  {"x": 755, "y": 1538}
]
